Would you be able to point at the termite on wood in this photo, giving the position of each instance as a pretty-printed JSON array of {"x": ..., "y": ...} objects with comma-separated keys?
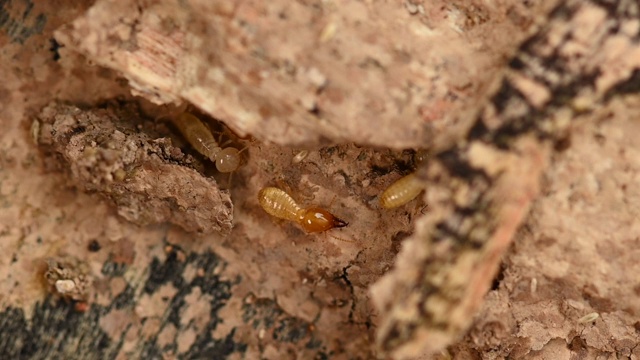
[
  {"x": 404, "y": 189},
  {"x": 201, "y": 138},
  {"x": 300, "y": 156},
  {"x": 591, "y": 317},
  {"x": 401, "y": 192},
  {"x": 278, "y": 203}
]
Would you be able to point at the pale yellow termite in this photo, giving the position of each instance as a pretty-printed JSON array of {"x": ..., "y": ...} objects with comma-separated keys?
[
  {"x": 201, "y": 138},
  {"x": 300, "y": 156},
  {"x": 404, "y": 189},
  {"x": 591, "y": 317},
  {"x": 278, "y": 203},
  {"x": 401, "y": 192}
]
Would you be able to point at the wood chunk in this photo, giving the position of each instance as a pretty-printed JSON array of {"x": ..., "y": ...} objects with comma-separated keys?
[{"x": 148, "y": 179}]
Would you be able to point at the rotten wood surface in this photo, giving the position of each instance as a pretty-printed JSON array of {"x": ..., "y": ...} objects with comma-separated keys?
[
  {"x": 297, "y": 73},
  {"x": 113, "y": 152}
]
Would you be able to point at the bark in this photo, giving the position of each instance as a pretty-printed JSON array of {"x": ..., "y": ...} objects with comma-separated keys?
[
  {"x": 299, "y": 73},
  {"x": 481, "y": 187}
]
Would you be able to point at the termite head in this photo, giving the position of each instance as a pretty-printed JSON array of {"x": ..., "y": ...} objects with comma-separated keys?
[
  {"x": 227, "y": 159},
  {"x": 317, "y": 220}
]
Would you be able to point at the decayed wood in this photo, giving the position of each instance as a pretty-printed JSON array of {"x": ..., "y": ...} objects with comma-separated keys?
[
  {"x": 483, "y": 185},
  {"x": 148, "y": 179},
  {"x": 303, "y": 72}
]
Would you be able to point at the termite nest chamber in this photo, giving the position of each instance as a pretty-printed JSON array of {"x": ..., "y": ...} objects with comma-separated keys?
[
  {"x": 387, "y": 175},
  {"x": 277, "y": 202}
]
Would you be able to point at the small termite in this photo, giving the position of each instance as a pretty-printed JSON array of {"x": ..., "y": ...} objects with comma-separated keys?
[
  {"x": 401, "y": 192},
  {"x": 404, "y": 189},
  {"x": 278, "y": 203},
  {"x": 35, "y": 131},
  {"x": 534, "y": 285},
  {"x": 591, "y": 317},
  {"x": 201, "y": 138},
  {"x": 300, "y": 156}
]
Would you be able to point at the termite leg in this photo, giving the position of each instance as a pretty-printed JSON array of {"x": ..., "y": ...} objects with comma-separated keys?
[
  {"x": 243, "y": 149},
  {"x": 338, "y": 238},
  {"x": 332, "y": 200},
  {"x": 422, "y": 208},
  {"x": 229, "y": 180},
  {"x": 220, "y": 138},
  {"x": 285, "y": 186},
  {"x": 222, "y": 145},
  {"x": 231, "y": 172}
]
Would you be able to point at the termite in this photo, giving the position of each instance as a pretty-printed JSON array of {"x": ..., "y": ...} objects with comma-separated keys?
[
  {"x": 201, "y": 138},
  {"x": 278, "y": 203},
  {"x": 591, "y": 317},
  {"x": 404, "y": 189},
  {"x": 300, "y": 156},
  {"x": 401, "y": 192}
]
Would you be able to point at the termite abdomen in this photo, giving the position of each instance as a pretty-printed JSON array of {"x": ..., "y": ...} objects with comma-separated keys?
[
  {"x": 197, "y": 134},
  {"x": 278, "y": 203}
]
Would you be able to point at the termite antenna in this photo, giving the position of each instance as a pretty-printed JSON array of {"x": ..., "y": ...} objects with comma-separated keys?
[
  {"x": 341, "y": 239},
  {"x": 332, "y": 200},
  {"x": 219, "y": 137},
  {"x": 229, "y": 180},
  {"x": 243, "y": 149}
]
